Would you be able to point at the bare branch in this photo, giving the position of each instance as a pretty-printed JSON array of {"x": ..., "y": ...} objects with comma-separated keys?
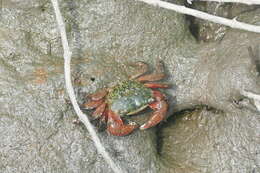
[
  {"x": 233, "y": 23},
  {"x": 253, "y": 96},
  {"x": 81, "y": 115},
  {"x": 248, "y": 2}
]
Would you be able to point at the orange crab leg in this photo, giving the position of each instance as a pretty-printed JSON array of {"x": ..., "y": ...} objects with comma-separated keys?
[
  {"x": 155, "y": 105},
  {"x": 157, "y": 75},
  {"x": 143, "y": 68},
  {"x": 104, "y": 116},
  {"x": 98, "y": 95},
  {"x": 156, "y": 85},
  {"x": 92, "y": 104},
  {"x": 99, "y": 111},
  {"x": 157, "y": 116},
  {"x": 151, "y": 77},
  {"x": 158, "y": 95}
]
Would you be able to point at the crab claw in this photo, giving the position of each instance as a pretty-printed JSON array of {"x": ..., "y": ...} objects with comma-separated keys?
[
  {"x": 121, "y": 130},
  {"x": 160, "y": 113},
  {"x": 116, "y": 126}
]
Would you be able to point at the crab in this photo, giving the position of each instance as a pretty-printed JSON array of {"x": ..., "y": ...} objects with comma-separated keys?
[{"x": 130, "y": 97}]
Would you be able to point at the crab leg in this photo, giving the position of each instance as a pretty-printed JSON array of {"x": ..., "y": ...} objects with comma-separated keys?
[
  {"x": 158, "y": 96},
  {"x": 157, "y": 75},
  {"x": 156, "y": 85},
  {"x": 92, "y": 104},
  {"x": 160, "y": 106},
  {"x": 116, "y": 126},
  {"x": 151, "y": 77},
  {"x": 143, "y": 68},
  {"x": 99, "y": 111},
  {"x": 98, "y": 95},
  {"x": 104, "y": 115}
]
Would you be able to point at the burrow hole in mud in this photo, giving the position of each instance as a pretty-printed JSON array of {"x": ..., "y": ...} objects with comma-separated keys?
[
  {"x": 92, "y": 79},
  {"x": 192, "y": 25}
]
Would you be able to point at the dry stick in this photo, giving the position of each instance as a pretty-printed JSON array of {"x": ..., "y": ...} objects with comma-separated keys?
[
  {"x": 83, "y": 118},
  {"x": 233, "y": 23},
  {"x": 253, "y": 96},
  {"x": 248, "y": 2}
]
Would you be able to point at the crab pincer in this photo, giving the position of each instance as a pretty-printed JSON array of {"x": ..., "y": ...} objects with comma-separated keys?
[
  {"x": 116, "y": 126},
  {"x": 121, "y": 130}
]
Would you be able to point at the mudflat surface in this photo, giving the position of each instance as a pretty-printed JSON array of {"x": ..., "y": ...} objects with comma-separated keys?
[{"x": 211, "y": 127}]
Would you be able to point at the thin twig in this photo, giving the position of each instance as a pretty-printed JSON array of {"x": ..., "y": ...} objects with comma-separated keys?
[
  {"x": 253, "y": 96},
  {"x": 233, "y": 23},
  {"x": 248, "y": 2},
  {"x": 83, "y": 118}
]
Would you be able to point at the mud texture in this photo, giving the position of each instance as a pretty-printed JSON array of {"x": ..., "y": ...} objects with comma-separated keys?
[{"x": 211, "y": 126}]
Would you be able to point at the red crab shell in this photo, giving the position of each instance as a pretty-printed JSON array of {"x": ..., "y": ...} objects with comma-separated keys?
[{"x": 129, "y": 97}]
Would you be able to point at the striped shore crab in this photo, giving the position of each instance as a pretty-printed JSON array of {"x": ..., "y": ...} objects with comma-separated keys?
[{"x": 129, "y": 97}]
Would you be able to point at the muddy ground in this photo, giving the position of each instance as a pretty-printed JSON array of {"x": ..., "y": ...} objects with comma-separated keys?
[{"x": 211, "y": 127}]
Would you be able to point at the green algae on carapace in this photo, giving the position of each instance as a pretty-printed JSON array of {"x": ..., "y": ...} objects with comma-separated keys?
[{"x": 129, "y": 97}]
